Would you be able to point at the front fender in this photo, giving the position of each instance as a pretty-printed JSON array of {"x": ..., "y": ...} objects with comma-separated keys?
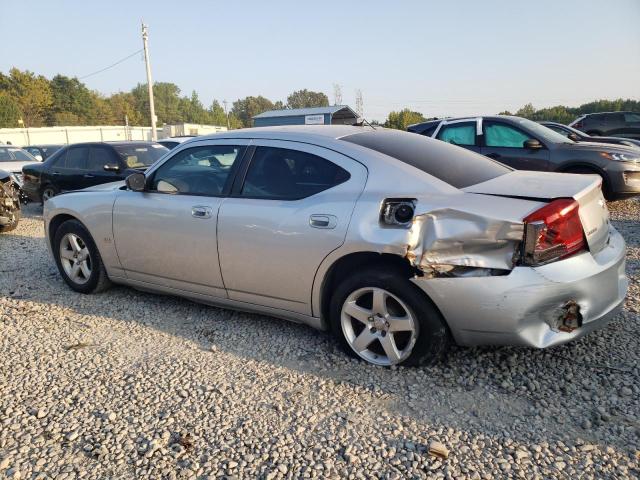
[{"x": 95, "y": 211}]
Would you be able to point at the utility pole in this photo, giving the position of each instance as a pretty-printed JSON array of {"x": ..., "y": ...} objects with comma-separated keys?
[
  {"x": 224, "y": 102},
  {"x": 359, "y": 103},
  {"x": 152, "y": 109},
  {"x": 337, "y": 94}
]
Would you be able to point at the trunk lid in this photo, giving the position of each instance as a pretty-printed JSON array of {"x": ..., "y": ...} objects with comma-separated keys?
[{"x": 546, "y": 186}]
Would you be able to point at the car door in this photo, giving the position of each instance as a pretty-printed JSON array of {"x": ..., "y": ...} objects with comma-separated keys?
[
  {"x": 505, "y": 143},
  {"x": 69, "y": 175},
  {"x": 461, "y": 133},
  {"x": 291, "y": 210},
  {"x": 99, "y": 156},
  {"x": 167, "y": 235}
]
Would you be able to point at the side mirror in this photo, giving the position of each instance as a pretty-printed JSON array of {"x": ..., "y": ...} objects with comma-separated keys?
[
  {"x": 111, "y": 167},
  {"x": 532, "y": 144},
  {"x": 574, "y": 137},
  {"x": 136, "y": 182}
]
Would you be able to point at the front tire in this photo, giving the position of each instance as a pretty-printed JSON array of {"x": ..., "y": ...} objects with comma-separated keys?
[
  {"x": 78, "y": 259},
  {"x": 383, "y": 318}
]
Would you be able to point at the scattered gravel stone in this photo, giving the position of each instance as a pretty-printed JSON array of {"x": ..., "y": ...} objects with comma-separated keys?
[{"x": 124, "y": 384}]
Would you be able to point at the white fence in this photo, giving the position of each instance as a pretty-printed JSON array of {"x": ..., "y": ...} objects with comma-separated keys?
[{"x": 65, "y": 135}]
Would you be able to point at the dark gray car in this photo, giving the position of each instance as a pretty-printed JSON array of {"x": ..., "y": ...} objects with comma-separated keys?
[{"x": 526, "y": 145}]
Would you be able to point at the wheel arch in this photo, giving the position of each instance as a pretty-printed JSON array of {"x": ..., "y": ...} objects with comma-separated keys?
[
  {"x": 606, "y": 182},
  {"x": 56, "y": 221},
  {"x": 342, "y": 266}
]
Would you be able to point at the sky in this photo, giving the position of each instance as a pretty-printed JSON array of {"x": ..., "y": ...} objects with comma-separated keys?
[{"x": 453, "y": 58}]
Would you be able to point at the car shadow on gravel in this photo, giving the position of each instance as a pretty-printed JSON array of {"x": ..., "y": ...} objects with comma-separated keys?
[{"x": 571, "y": 391}]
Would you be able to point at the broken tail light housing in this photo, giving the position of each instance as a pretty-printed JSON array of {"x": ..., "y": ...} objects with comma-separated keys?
[{"x": 553, "y": 232}]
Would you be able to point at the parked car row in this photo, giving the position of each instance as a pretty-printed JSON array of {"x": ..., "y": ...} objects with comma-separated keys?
[
  {"x": 526, "y": 145},
  {"x": 84, "y": 165}
]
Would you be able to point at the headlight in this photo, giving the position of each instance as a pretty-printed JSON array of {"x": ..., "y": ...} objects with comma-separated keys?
[{"x": 619, "y": 157}]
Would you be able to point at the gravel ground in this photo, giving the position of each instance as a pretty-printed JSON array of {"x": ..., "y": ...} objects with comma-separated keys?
[{"x": 126, "y": 384}]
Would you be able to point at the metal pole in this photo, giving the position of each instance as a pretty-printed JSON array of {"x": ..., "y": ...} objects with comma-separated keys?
[
  {"x": 226, "y": 113},
  {"x": 152, "y": 110}
]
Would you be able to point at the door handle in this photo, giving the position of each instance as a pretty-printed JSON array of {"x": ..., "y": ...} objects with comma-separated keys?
[
  {"x": 88, "y": 175},
  {"x": 55, "y": 173},
  {"x": 201, "y": 211},
  {"x": 323, "y": 221}
]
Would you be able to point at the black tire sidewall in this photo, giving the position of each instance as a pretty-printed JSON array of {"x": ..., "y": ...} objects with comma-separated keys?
[
  {"x": 75, "y": 227},
  {"x": 433, "y": 335},
  {"x": 48, "y": 185}
]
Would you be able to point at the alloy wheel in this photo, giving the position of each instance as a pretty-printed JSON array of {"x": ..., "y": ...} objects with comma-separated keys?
[
  {"x": 47, "y": 193},
  {"x": 379, "y": 326},
  {"x": 75, "y": 258}
]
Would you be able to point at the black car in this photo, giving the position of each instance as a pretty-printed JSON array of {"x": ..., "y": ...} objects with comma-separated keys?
[
  {"x": 9, "y": 203},
  {"x": 614, "y": 124},
  {"x": 42, "y": 152},
  {"x": 84, "y": 165},
  {"x": 578, "y": 136},
  {"x": 525, "y": 145}
]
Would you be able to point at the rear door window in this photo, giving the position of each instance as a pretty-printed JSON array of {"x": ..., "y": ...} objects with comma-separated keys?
[
  {"x": 77, "y": 158},
  {"x": 456, "y": 166},
  {"x": 285, "y": 174},
  {"x": 463, "y": 133},
  {"x": 632, "y": 117}
]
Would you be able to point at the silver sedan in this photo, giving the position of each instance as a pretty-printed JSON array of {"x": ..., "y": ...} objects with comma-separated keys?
[{"x": 397, "y": 243}]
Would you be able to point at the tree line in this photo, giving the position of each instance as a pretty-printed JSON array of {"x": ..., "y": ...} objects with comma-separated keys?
[
  {"x": 31, "y": 100},
  {"x": 560, "y": 113}
]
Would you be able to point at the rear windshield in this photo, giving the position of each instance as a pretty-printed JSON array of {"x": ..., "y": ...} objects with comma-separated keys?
[
  {"x": 454, "y": 165},
  {"x": 140, "y": 155},
  {"x": 12, "y": 154}
]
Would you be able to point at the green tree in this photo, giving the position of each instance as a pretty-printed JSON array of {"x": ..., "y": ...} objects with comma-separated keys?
[
  {"x": 70, "y": 96},
  {"x": 9, "y": 112},
  {"x": 528, "y": 111},
  {"x": 402, "y": 119},
  {"x": 246, "y": 108},
  {"x": 124, "y": 104},
  {"x": 32, "y": 94},
  {"x": 307, "y": 99}
]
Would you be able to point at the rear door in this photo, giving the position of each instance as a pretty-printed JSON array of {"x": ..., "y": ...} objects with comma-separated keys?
[
  {"x": 614, "y": 124},
  {"x": 505, "y": 143},
  {"x": 290, "y": 211},
  {"x": 99, "y": 156},
  {"x": 69, "y": 175},
  {"x": 461, "y": 133}
]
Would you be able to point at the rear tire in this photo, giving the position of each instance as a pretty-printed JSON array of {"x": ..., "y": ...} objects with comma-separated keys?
[
  {"x": 78, "y": 259},
  {"x": 47, "y": 192},
  {"x": 381, "y": 317}
]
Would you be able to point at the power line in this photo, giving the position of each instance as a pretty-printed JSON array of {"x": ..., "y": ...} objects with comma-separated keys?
[{"x": 112, "y": 65}]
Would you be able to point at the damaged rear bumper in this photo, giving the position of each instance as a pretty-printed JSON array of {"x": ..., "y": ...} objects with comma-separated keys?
[{"x": 523, "y": 307}]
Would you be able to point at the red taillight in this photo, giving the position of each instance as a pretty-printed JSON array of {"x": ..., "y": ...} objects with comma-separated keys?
[{"x": 553, "y": 232}]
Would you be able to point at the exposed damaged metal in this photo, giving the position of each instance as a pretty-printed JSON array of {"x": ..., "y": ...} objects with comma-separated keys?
[
  {"x": 446, "y": 238},
  {"x": 567, "y": 318}
]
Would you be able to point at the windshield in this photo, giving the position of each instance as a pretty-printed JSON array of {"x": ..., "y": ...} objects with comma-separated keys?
[
  {"x": 8, "y": 154},
  {"x": 454, "y": 165},
  {"x": 543, "y": 133},
  {"x": 140, "y": 155}
]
